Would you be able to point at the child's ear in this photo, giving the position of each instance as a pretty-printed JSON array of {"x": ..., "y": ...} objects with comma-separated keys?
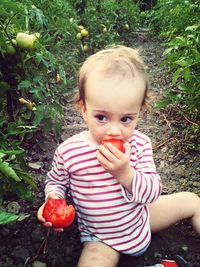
[{"x": 83, "y": 110}]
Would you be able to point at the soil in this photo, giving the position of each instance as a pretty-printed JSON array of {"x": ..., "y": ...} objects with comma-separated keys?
[{"x": 27, "y": 243}]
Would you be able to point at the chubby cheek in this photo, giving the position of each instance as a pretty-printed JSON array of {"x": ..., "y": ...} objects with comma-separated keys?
[
  {"x": 127, "y": 137},
  {"x": 128, "y": 133},
  {"x": 97, "y": 134}
]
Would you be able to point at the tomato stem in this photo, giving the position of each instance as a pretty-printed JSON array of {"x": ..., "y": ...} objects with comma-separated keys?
[
  {"x": 45, "y": 247},
  {"x": 44, "y": 244},
  {"x": 42, "y": 247}
]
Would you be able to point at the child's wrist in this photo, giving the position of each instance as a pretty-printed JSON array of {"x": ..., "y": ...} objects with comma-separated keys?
[
  {"x": 52, "y": 195},
  {"x": 127, "y": 179}
]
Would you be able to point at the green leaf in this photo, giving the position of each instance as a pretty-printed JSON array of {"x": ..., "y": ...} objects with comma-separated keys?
[
  {"x": 39, "y": 114},
  {"x": 62, "y": 74},
  {"x": 1, "y": 193},
  {"x": 40, "y": 59},
  {"x": 40, "y": 16},
  {"x": 21, "y": 190},
  {"x": 180, "y": 40},
  {"x": 2, "y": 155},
  {"x": 37, "y": 92},
  {"x": 38, "y": 78},
  {"x": 6, "y": 170},
  {"x": 27, "y": 127},
  {"x": 168, "y": 51},
  {"x": 12, "y": 152},
  {"x": 192, "y": 27},
  {"x": 25, "y": 84},
  {"x": 177, "y": 75},
  {"x": 26, "y": 177},
  {"x": 2, "y": 120},
  {"x": 186, "y": 74},
  {"x": 182, "y": 62},
  {"x": 14, "y": 129},
  {"x": 162, "y": 103},
  {"x": 183, "y": 88},
  {"x": 6, "y": 217}
]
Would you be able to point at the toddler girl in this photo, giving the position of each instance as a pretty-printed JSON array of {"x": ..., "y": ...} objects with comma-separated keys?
[{"x": 116, "y": 195}]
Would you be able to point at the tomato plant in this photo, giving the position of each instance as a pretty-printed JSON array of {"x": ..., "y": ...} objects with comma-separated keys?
[
  {"x": 178, "y": 25},
  {"x": 38, "y": 71},
  {"x": 25, "y": 64}
]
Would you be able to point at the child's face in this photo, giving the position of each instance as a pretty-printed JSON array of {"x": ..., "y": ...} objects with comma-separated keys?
[{"x": 112, "y": 106}]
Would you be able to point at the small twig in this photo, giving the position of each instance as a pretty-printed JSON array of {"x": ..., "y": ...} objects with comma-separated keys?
[
  {"x": 164, "y": 142},
  {"x": 191, "y": 122},
  {"x": 4, "y": 28},
  {"x": 7, "y": 24},
  {"x": 188, "y": 120},
  {"x": 43, "y": 247},
  {"x": 167, "y": 121}
]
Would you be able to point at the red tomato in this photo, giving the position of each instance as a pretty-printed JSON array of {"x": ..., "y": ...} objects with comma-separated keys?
[
  {"x": 58, "y": 213},
  {"x": 117, "y": 143}
]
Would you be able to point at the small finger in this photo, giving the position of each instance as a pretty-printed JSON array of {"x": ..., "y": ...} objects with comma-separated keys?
[
  {"x": 127, "y": 149},
  {"x": 59, "y": 230},
  {"x": 47, "y": 224},
  {"x": 102, "y": 160},
  {"x": 114, "y": 150},
  {"x": 108, "y": 152}
]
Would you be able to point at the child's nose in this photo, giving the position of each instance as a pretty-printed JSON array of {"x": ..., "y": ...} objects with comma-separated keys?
[{"x": 113, "y": 130}]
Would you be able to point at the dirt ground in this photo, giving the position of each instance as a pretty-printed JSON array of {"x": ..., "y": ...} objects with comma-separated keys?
[{"x": 23, "y": 243}]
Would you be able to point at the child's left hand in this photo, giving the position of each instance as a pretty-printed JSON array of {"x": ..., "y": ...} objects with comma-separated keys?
[{"x": 116, "y": 163}]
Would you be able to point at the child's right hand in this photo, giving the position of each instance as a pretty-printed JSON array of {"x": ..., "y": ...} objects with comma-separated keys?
[{"x": 42, "y": 219}]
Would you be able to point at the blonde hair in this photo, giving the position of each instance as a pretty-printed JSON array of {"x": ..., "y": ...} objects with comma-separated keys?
[{"x": 117, "y": 59}]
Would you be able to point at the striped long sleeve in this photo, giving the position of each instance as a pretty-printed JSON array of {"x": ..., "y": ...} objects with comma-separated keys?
[
  {"x": 146, "y": 185},
  {"x": 103, "y": 207}
]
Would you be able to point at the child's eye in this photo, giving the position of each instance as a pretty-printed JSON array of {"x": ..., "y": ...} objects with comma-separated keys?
[
  {"x": 100, "y": 117},
  {"x": 126, "y": 119}
]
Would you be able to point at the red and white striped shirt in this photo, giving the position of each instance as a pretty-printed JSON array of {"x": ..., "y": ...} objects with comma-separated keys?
[{"x": 104, "y": 208}]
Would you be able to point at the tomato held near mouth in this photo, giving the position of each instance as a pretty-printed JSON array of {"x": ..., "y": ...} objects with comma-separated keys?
[
  {"x": 115, "y": 142},
  {"x": 58, "y": 213}
]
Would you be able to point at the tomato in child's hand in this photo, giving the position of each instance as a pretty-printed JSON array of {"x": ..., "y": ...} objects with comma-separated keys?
[
  {"x": 57, "y": 212},
  {"x": 117, "y": 143}
]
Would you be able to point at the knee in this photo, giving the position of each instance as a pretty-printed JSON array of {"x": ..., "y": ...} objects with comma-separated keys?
[
  {"x": 192, "y": 201},
  {"x": 189, "y": 196},
  {"x": 194, "y": 198},
  {"x": 94, "y": 248}
]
